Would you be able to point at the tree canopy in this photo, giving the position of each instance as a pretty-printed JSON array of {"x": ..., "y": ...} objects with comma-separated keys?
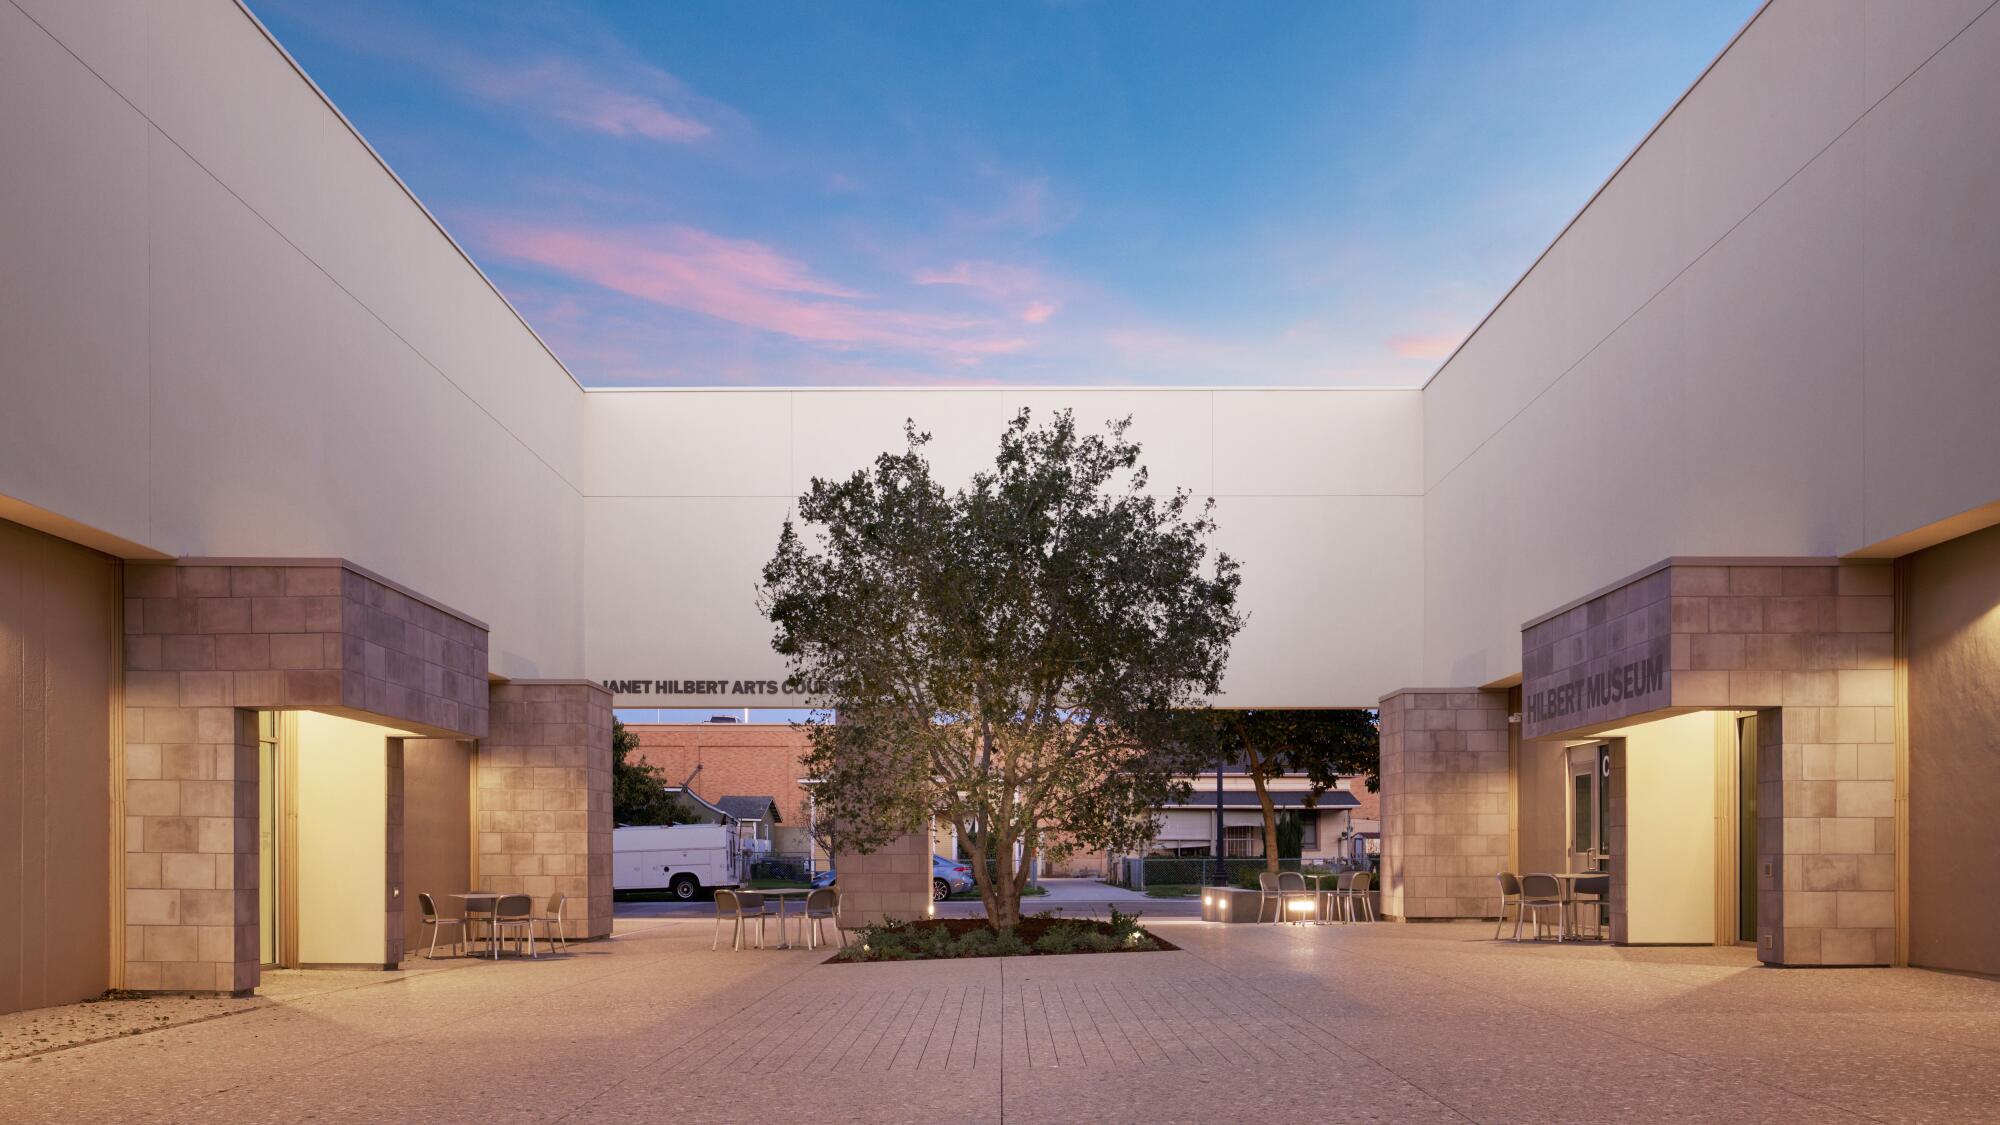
[
  {"x": 1002, "y": 657},
  {"x": 638, "y": 788},
  {"x": 1321, "y": 745}
]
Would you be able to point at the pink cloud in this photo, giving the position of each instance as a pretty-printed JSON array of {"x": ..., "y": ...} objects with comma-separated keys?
[
  {"x": 599, "y": 86},
  {"x": 997, "y": 280},
  {"x": 568, "y": 92},
  {"x": 1411, "y": 346},
  {"x": 1021, "y": 289},
  {"x": 746, "y": 283},
  {"x": 1027, "y": 204}
]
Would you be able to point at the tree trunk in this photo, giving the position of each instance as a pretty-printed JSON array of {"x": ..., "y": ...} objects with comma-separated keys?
[
  {"x": 1270, "y": 810},
  {"x": 1003, "y": 905}
]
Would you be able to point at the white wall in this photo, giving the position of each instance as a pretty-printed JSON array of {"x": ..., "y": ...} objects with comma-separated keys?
[
  {"x": 1771, "y": 333},
  {"x": 343, "y": 803},
  {"x": 227, "y": 330},
  {"x": 1317, "y": 492}
]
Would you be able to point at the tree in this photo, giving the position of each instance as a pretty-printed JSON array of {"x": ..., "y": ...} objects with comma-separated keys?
[
  {"x": 638, "y": 788},
  {"x": 1002, "y": 656},
  {"x": 1291, "y": 836},
  {"x": 1322, "y": 745}
]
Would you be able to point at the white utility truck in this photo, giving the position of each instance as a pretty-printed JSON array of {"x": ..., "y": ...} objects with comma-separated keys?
[{"x": 684, "y": 859}]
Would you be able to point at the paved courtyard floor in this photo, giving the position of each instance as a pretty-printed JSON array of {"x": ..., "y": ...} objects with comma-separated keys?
[{"x": 1273, "y": 1023}]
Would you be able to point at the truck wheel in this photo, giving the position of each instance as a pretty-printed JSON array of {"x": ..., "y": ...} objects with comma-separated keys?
[
  {"x": 940, "y": 890},
  {"x": 684, "y": 887}
]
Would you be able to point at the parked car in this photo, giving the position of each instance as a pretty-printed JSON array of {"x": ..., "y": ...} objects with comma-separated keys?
[{"x": 948, "y": 877}]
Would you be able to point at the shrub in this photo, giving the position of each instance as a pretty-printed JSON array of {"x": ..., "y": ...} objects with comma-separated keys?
[
  {"x": 1175, "y": 870},
  {"x": 896, "y": 940}
]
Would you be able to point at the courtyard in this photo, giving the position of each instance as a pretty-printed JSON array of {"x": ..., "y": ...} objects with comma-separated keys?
[{"x": 1355, "y": 1023}]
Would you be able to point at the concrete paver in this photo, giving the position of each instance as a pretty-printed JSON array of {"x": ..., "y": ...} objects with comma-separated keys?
[{"x": 1357, "y": 1023}]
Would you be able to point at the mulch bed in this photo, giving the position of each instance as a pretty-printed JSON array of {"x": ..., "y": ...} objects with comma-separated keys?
[{"x": 1030, "y": 930}]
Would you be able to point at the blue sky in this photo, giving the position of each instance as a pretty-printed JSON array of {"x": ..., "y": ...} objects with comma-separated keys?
[{"x": 1023, "y": 194}]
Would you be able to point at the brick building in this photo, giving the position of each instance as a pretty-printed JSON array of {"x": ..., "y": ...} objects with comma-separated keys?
[{"x": 735, "y": 760}]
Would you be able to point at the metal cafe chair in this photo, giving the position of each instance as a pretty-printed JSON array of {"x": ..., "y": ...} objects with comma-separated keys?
[
  {"x": 1540, "y": 893},
  {"x": 477, "y": 910},
  {"x": 1331, "y": 901},
  {"x": 517, "y": 913},
  {"x": 1599, "y": 887},
  {"x": 821, "y": 905},
  {"x": 436, "y": 924},
  {"x": 554, "y": 922},
  {"x": 735, "y": 906},
  {"x": 1510, "y": 895},
  {"x": 1268, "y": 891},
  {"x": 1292, "y": 888},
  {"x": 1354, "y": 900}
]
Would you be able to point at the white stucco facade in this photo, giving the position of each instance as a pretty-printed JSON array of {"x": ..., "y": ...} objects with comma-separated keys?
[{"x": 232, "y": 332}]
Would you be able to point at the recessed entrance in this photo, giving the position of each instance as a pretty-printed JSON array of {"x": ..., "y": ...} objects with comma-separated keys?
[
  {"x": 322, "y": 840},
  {"x": 1746, "y": 829}
]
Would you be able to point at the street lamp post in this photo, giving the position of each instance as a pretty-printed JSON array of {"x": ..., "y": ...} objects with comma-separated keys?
[{"x": 1221, "y": 868}]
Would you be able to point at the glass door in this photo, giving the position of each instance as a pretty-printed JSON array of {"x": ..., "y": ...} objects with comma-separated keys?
[
  {"x": 1746, "y": 829},
  {"x": 268, "y": 788},
  {"x": 1589, "y": 804}
]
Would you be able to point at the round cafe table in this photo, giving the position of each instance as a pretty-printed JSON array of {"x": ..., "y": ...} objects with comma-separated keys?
[
  {"x": 1569, "y": 880},
  {"x": 784, "y": 895},
  {"x": 1320, "y": 893},
  {"x": 477, "y": 900}
]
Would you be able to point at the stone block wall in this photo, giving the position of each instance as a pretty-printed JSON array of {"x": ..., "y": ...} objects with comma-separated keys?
[
  {"x": 1445, "y": 808},
  {"x": 1811, "y": 648},
  {"x": 190, "y": 874},
  {"x": 1809, "y": 645},
  {"x": 320, "y": 635},
  {"x": 544, "y": 805},
  {"x": 208, "y": 644},
  {"x": 893, "y": 881}
]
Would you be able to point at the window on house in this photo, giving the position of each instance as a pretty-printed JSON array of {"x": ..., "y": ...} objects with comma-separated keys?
[{"x": 1243, "y": 841}]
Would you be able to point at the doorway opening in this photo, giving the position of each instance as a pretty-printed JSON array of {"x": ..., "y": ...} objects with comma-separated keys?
[
  {"x": 1746, "y": 829},
  {"x": 322, "y": 841}
]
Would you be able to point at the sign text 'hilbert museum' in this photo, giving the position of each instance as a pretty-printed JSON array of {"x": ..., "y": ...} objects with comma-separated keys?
[{"x": 1636, "y": 685}]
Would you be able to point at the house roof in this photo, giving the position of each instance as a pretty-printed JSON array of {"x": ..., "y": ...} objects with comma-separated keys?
[
  {"x": 697, "y": 803},
  {"x": 750, "y": 808},
  {"x": 1292, "y": 799}
]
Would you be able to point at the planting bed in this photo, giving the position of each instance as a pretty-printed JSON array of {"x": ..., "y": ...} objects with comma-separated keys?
[{"x": 1038, "y": 935}]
